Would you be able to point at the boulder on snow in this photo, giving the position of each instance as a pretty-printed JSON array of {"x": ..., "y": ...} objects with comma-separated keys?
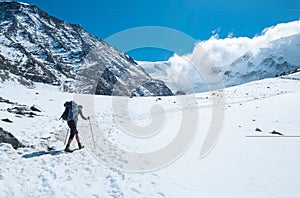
[
  {"x": 33, "y": 108},
  {"x": 258, "y": 130},
  {"x": 22, "y": 110},
  {"x": 6, "y": 137},
  {"x": 7, "y": 120},
  {"x": 276, "y": 133},
  {"x": 5, "y": 101}
]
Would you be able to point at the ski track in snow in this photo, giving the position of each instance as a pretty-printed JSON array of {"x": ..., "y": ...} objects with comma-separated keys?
[{"x": 249, "y": 166}]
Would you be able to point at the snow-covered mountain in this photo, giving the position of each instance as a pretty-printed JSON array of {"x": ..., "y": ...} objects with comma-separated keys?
[
  {"x": 281, "y": 57},
  {"x": 36, "y": 47},
  {"x": 236, "y": 60}
]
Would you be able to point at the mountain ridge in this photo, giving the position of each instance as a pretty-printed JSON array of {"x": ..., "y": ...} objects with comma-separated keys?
[
  {"x": 36, "y": 47},
  {"x": 235, "y": 60}
]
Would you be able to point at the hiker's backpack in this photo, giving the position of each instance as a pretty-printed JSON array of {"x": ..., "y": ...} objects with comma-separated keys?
[{"x": 68, "y": 111}]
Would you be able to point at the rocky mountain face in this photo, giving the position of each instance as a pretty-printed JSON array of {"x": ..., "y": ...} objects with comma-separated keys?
[
  {"x": 36, "y": 47},
  {"x": 280, "y": 58}
]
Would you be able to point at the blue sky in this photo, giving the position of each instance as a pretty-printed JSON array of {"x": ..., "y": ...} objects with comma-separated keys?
[{"x": 196, "y": 18}]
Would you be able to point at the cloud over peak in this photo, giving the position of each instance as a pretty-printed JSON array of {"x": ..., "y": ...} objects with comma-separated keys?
[{"x": 225, "y": 51}]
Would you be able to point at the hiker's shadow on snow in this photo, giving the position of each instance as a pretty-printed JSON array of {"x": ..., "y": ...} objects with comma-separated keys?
[{"x": 41, "y": 153}]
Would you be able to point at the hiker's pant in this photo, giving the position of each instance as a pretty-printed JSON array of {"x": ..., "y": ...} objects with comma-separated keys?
[{"x": 72, "y": 125}]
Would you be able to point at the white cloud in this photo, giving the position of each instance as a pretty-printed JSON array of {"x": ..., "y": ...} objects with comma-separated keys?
[
  {"x": 215, "y": 33},
  {"x": 225, "y": 51},
  {"x": 230, "y": 35},
  {"x": 212, "y": 55}
]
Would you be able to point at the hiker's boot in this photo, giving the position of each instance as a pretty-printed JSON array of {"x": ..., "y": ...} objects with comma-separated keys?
[
  {"x": 80, "y": 146},
  {"x": 68, "y": 148}
]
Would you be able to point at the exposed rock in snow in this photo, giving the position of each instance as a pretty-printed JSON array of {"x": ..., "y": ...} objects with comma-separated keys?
[{"x": 6, "y": 137}]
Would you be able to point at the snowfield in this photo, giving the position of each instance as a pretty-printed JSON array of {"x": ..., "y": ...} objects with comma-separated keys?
[{"x": 243, "y": 163}]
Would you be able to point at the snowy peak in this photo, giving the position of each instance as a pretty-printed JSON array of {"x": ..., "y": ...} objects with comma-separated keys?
[
  {"x": 279, "y": 58},
  {"x": 36, "y": 47},
  {"x": 237, "y": 60}
]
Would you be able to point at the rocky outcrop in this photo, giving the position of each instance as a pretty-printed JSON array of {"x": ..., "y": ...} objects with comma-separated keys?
[{"x": 6, "y": 137}]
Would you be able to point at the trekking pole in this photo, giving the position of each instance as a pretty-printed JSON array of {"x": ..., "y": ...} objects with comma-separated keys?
[
  {"x": 92, "y": 133},
  {"x": 66, "y": 137}
]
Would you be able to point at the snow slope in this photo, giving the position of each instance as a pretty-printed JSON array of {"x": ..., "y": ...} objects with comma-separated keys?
[{"x": 243, "y": 163}]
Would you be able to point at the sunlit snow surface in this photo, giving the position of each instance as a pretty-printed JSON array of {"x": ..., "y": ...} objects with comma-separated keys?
[{"x": 243, "y": 163}]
